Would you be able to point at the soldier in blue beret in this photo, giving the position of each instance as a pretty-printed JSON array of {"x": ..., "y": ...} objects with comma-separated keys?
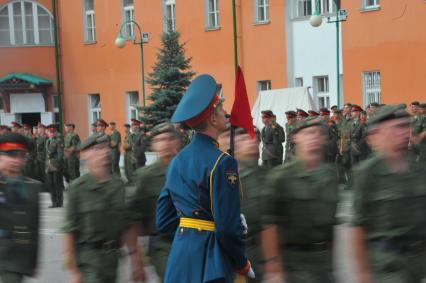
[{"x": 200, "y": 202}]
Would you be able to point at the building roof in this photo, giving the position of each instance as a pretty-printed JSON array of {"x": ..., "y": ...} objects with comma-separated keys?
[{"x": 29, "y": 78}]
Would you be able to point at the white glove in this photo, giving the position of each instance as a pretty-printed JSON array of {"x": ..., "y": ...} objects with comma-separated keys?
[
  {"x": 251, "y": 273},
  {"x": 244, "y": 223}
]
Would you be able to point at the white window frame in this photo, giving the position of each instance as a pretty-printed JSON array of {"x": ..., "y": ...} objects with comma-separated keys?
[
  {"x": 94, "y": 111},
  {"x": 129, "y": 30},
  {"x": 89, "y": 28},
  {"x": 325, "y": 7},
  {"x": 367, "y": 6},
  {"x": 263, "y": 85},
  {"x": 132, "y": 109},
  {"x": 371, "y": 87},
  {"x": 298, "y": 82},
  {"x": 169, "y": 23},
  {"x": 264, "y": 6},
  {"x": 25, "y": 31},
  {"x": 214, "y": 12}
]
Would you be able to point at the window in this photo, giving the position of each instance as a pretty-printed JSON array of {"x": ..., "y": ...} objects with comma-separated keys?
[
  {"x": 94, "y": 108},
  {"x": 371, "y": 86},
  {"x": 321, "y": 90},
  {"x": 298, "y": 82},
  {"x": 128, "y": 17},
  {"x": 371, "y": 4},
  {"x": 212, "y": 14},
  {"x": 89, "y": 21},
  {"x": 169, "y": 18},
  {"x": 55, "y": 108},
  {"x": 263, "y": 85},
  {"x": 25, "y": 23},
  {"x": 261, "y": 11},
  {"x": 133, "y": 105},
  {"x": 304, "y": 8}
]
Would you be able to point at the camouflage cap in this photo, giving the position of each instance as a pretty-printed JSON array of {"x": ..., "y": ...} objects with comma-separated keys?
[
  {"x": 93, "y": 140},
  {"x": 308, "y": 122},
  {"x": 388, "y": 112},
  {"x": 164, "y": 128}
]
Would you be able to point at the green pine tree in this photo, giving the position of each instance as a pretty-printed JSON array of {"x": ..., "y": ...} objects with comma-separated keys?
[{"x": 171, "y": 76}]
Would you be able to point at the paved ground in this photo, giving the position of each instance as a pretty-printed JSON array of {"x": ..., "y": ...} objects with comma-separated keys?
[{"x": 52, "y": 270}]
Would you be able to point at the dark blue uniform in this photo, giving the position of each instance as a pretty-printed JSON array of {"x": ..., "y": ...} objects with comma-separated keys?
[{"x": 202, "y": 191}]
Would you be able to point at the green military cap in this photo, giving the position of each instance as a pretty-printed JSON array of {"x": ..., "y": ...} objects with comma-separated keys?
[
  {"x": 164, "y": 128},
  {"x": 93, "y": 140},
  {"x": 388, "y": 112},
  {"x": 308, "y": 122}
]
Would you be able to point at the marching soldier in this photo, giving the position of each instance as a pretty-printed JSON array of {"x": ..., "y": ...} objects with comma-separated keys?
[
  {"x": 200, "y": 202},
  {"x": 101, "y": 126},
  {"x": 289, "y": 127},
  {"x": 389, "y": 204},
  {"x": 300, "y": 203},
  {"x": 94, "y": 128},
  {"x": 332, "y": 134},
  {"x": 358, "y": 135},
  {"x": 115, "y": 149},
  {"x": 252, "y": 176},
  {"x": 273, "y": 136},
  {"x": 16, "y": 127},
  {"x": 96, "y": 219},
  {"x": 19, "y": 211},
  {"x": 313, "y": 113},
  {"x": 41, "y": 152},
  {"x": 71, "y": 160},
  {"x": 138, "y": 145},
  {"x": 127, "y": 145},
  {"x": 54, "y": 167},
  {"x": 166, "y": 142}
]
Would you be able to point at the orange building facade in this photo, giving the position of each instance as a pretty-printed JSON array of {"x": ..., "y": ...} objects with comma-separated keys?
[
  {"x": 99, "y": 77},
  {"x": 383, "y": 51}
]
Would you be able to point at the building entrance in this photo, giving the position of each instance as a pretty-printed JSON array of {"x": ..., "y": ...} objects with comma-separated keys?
[{"x": 30, "y": 118}]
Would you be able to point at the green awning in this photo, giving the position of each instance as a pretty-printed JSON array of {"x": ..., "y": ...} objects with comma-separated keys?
[{"x": 28, "y": 78}]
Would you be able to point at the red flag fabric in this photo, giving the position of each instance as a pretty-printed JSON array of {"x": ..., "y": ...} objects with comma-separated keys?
[{"x": 241, "y": 113}]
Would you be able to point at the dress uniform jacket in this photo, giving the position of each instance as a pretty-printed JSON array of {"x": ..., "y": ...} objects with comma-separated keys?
[
  {"x": 149, "y": 181},
  {"x": 358, "y": 135},
  {"x": 202, "y": 183},
  {"x": 41, "y": 157},
  {"x": 272, "y": 138},
  {"x": 115, "y": 151},
  {"x": 19, "y": 225},
  {"x": 391, "y": 208},
  {"x": 138, "y": 149},
  {"x": 128, "y": 164},
  {"x": 71, "y": 162},
  {"x": 303, "y": 205},
  {"x": 289, "y": 145}
]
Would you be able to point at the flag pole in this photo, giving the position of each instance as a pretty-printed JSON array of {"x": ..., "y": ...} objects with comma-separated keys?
[{"x": 234, "y": 16}]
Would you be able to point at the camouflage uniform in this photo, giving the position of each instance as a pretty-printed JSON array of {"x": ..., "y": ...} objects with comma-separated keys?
[
  {"x": 149, "y": 182},
  {"x": 303, "y": 205},
  {"x": 97, "y": 217},
  {"x": 391, "y": 208}
]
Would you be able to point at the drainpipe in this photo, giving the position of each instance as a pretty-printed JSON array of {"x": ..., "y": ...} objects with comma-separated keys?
[{"x": 58, "y": 74}]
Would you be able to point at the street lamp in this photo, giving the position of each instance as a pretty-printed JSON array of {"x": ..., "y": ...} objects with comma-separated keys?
[
  {"x": 316, "y": 21},
  {"x": 120, "y": 42}
]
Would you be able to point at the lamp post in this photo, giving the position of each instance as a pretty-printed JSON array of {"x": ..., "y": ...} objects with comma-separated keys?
[
  {"x": 120, "y": 42},
  {"x": 316, "y": 21}
]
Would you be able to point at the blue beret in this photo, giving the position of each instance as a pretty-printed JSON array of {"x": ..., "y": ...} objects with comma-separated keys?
[{"x": 196, "y": 99}]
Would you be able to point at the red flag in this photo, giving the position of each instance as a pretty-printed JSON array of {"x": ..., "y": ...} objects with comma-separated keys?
[{"x": 241, "y": 114}]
